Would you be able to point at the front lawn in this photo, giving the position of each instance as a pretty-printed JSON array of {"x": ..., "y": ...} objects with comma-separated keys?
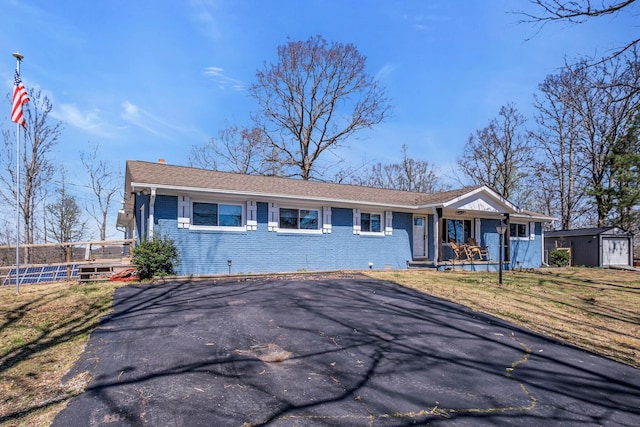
[{"x": 595, "y": 309}]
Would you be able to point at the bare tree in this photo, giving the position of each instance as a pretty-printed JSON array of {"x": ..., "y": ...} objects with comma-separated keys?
[
  {"x": 561, "y": 188},
  {"x": 604, "y": 97},
  {"x": 40, "y": 137},
  {"x": 583, "y": 111},
  {"x": 65, "y": 220},
  {"x": 499, "y": 155},
  {"x": 105, "y": 185},
  {"x": 236, "y": 149},
  {"x": 314, "y": 98},
  {"x": 408, "y": 175},
  {"x": 578, "y": 12}
]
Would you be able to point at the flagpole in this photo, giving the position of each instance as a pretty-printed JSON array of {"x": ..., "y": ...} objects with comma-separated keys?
[{"x": 18, "y": 57}]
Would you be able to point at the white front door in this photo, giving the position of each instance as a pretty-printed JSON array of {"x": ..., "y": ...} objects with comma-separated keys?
[{"x": 419, "y": 237}]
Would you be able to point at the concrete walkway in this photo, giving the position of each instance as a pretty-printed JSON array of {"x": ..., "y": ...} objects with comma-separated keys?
[{"x": 332, "y": 351}]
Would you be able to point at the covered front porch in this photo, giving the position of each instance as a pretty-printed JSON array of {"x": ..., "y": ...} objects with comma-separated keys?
[{"x": 468, "y": 232}]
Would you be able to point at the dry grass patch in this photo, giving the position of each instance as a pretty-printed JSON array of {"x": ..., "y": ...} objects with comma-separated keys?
[
  {"x": 42, "y": 332},
  {"x": 594, "y": 309},
  {"x": 268, "y": 353}
]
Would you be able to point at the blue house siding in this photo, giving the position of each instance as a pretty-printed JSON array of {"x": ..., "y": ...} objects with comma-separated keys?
[
  {"x": 490, "y": 238},
  {"x": 207, "y": 251},
  {"x": 523, "y": 252},
  {"x": 527, "y": 253}
]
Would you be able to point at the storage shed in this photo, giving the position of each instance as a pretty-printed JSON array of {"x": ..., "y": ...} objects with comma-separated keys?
[{"x": 593, "y": 247}]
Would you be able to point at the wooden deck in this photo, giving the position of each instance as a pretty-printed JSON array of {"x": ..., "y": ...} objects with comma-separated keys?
[{"x": 100, "y": 272}]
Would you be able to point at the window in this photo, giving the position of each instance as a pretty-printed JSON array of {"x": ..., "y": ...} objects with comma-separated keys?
[
  {"x": 217, "y": 215},
  {"x": 370, "y": 222},
  {"x": 298, "y": 219},
  {"x": 458, "y": 230},
  {"x": 519, "y": 230}
]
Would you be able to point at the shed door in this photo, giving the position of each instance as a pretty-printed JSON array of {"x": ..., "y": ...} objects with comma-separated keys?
[
  {"x": 615, "y": 251},
  {"x": 419, "y": 236}
]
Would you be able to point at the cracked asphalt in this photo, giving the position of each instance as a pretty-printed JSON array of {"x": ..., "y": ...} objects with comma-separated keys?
[{"x": 332, "y": 351}]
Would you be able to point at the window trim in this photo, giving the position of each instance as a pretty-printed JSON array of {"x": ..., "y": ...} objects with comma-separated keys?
[
  {"x": 381, "y": 224},
  {"x": 527, "y": 232},
  {"x": 241, "y": 227},
  {"x": 319, "y": 226}
]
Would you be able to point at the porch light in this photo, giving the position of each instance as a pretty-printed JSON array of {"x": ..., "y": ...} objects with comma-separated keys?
[{"x": 501, "y": 229}]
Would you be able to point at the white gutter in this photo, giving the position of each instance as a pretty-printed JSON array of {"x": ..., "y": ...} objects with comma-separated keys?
[{"x": 542, "y": 244}]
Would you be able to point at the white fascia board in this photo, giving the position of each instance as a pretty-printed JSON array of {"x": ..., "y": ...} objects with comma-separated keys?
[
  {"x": 173, "y": 189},
  {"x": 540, "y": 217}
]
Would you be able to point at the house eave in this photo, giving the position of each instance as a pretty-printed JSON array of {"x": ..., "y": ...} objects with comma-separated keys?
[
  {"x": 170, "y": 189},
  {"x": 448, "y": 205}
]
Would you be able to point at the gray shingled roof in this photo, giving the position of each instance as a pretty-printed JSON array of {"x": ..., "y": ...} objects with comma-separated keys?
[{"x": 170, "y": 176}]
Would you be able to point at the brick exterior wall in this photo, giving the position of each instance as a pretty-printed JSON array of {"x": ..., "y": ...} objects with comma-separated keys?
[{"x": 207, "y": 251}]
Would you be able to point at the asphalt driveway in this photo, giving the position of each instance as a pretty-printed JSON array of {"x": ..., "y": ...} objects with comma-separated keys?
[{"x": 332, "y": 351}]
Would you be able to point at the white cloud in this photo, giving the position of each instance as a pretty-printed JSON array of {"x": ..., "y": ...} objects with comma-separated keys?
[
  {"x": 224, "y": 81},
  {"x": 131, "y": 112},
  {"x": 88, "y": 121},
  {"x": 148, "y": 121},
  {"x": 385, "y": 72}
]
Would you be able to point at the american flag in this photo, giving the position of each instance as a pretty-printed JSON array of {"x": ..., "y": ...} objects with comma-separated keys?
[{"x": 20, "y": 97}]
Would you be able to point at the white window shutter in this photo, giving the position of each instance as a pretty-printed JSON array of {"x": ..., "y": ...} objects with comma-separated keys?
[
  {"x": 252, "y": 215},
  {"x": 184, "y": 212},
  {"x": 388, "y": 217},
  {"x": 532, "y": 231},
  {"x": 274, "y": 217},
  {"x": 356, "y": 221},
  {"x": 326, "y": 219}
]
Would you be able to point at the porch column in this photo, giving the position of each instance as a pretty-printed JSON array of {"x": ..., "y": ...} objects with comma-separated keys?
[
  {"x": 152, "y": 211},
  {"x": 507, "y": 240},
  {"x": 437, "y": 216}
]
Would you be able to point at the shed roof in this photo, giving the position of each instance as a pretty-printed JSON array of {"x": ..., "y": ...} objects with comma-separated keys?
[{"x": 595, "y": 231}]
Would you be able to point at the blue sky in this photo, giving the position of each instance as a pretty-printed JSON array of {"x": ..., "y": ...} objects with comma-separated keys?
[{"x": 148, "y": 79}]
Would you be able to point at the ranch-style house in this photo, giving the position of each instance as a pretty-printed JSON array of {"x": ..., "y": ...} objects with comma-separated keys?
[{"x": 225, "y": 222}]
